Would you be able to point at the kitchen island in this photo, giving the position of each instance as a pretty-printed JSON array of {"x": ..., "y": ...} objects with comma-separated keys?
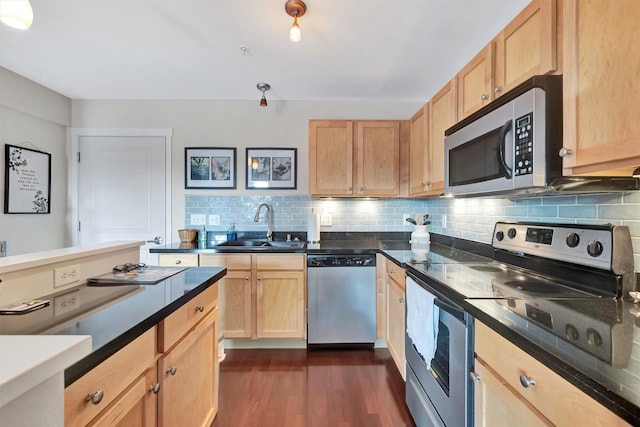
[{"x": 132, "y": 329}]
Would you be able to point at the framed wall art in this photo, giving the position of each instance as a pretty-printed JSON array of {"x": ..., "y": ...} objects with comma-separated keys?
[
  {"x": 271, "y": 168},
  {"x": 27, "y": 181},
  {"x": 210, "y": 168}
]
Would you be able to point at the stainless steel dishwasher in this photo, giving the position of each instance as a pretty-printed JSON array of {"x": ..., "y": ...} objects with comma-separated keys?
[{"x": 341, "y": 300}]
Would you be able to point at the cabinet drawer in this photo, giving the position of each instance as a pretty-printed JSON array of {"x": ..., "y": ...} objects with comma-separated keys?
[
  {"x": 111, "y": 377},
  {"x": 396, "y": 274},
  {"x": 185, "y": 260},
  {"x": 557, "y": 399},
  {"x": 178, "y": 323},
  {"x": 231, "y": 261},
  {"x": 280, "y": 262}
]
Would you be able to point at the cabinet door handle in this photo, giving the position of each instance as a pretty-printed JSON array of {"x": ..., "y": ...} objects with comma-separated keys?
[
  {"x": 401, "y": 300},
  {"x": 349, "y": 189},
  {"x": 95, "y": 398},
  {"x": 154, "y": 388},
  {"x": 527, "y": 381},
  {"x": 497, "y": 89},
  {"x": 428, "y": 183},
  {"x": 484, "y": 97},
  {"x": 172, "y": 370},
  {"x": 423, "y": 184},
  {"x": 361, "y": 189},
  {"x": 178, "y": 261},
  {"x": 246, "y": 278},
  {"x": 474, "y": 377},
  {"x": 200, "y": 308}
]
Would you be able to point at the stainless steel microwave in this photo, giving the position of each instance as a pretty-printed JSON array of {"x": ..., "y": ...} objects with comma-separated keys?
[{"x": 510, "y": 145}]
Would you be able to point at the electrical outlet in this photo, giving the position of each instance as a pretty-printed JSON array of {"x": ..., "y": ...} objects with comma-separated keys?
[
  {"x": 198, "y": 219},
  {"x": 65, "y": 275},
  {"x": 325, "y": 219},
  {"x": 66, "y": 302},
  {"x": 214, "y": 219}
]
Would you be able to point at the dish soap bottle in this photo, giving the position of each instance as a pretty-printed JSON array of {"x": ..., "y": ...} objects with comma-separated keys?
[
  {"x": 231, "y": 232},
  {"x": 202, "y": 238}
]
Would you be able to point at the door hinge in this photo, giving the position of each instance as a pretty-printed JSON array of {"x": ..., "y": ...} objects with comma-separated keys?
[
  {"x": 79, "y": 227},
  {"x": 78, "y": 157}
]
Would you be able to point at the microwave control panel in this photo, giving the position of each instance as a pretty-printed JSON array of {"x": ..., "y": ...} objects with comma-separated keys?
[{"x": 524, "y": 145}]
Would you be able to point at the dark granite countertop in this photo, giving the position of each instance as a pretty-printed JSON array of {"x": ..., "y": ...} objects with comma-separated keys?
[{"x": 112, "y": 315}]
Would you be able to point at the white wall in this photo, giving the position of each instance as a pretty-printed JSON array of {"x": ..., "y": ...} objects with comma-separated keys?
[
  {"x": 239, "y": 124},
  {"x": 35, "y": 117}
]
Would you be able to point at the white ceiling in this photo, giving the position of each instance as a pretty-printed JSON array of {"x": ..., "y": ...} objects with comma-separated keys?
[{"x": 190, "y": 49}]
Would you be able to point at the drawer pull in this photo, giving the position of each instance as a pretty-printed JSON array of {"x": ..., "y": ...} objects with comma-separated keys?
[
  {"x": 474, "y": 377},
  {"x": 154, "y": 388},
  {"x": 527, "y": 381},
  {"x": 246, "y": 278},
  {"x": 200, "y": 308},
  {"x": 401, "y": 300},
  {"x": 178, "y": 261},
  {"x": 94, "y": 398},
  {"x": 172, "y": 370}
]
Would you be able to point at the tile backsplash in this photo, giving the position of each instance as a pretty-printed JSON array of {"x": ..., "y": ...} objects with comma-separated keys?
[{"x": 468, "y": 218}]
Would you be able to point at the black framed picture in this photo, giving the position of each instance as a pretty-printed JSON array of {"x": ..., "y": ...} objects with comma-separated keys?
[
  {"x": 274, "y": 168},
  {"x": 210, "y": 168},
  {"x": 27, "y": 181}
]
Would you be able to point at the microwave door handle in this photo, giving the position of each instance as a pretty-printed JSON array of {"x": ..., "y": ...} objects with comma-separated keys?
[{"x": 505, "y": 169}]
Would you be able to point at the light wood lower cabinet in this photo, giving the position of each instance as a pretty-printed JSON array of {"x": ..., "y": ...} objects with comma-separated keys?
[
  {"x": 178, "y": 260},
  {"x": 501, "y": 399},
  {"x": 168, "y": 376},
  {"x": 114, "y": 383},
  {"x": 391, "y": 295},
  {"x": 188, "y": 377},
  {"x": 263, "y": 295}
]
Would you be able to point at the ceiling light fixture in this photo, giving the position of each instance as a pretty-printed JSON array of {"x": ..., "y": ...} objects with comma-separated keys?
[
  {"x": 295, "y": 8},
  {"x": 263, "y": 87},
  {"x": 16, "y": 13}
]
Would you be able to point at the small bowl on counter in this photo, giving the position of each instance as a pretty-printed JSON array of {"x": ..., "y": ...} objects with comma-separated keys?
[{"x": 187, "y": 235}]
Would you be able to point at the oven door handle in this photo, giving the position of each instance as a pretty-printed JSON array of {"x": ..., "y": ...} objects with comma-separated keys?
[
  {"x": 453, "y": 310},
  {"x": 504, "y": 168}
]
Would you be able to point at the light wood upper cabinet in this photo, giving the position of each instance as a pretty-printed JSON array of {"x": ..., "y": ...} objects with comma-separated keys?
[
  {"x": 377, "y": 158},
  {"x": 419, "y": 152},
  {"x": 331, "y": 157},
  {"x": 476, "y": 82},
  {"x": 354, "y": 159},
  {"x": 442, "y": 115},
  {"x": 502, "y": 399},
  {"x": 527, "y": 46},
  {"x": 601, "y": 86}
]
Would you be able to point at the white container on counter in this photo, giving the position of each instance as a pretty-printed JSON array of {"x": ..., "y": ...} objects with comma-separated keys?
[{"x": 420, "y": 243}]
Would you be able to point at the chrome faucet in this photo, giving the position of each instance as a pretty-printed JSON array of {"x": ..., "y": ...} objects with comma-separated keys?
[{"x": 269, "y": 219}]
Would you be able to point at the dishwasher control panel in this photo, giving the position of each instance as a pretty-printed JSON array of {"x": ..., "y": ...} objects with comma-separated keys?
[{"x": 341, "y": 261}]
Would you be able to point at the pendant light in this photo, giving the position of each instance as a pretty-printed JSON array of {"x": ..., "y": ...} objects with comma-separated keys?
[
  {"x": 295, "y": 9},
  {"x": 263, "y": 87},
  {"x": 16, "y": 13}
]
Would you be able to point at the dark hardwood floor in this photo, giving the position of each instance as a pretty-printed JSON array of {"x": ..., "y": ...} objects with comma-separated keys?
[{"x": 337, "y": 388}]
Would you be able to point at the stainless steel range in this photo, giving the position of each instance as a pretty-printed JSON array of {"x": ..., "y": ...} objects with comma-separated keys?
[{"x": 540, "y": 272}]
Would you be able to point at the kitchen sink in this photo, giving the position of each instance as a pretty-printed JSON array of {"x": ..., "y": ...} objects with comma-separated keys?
[{"x": 248, "y": 245}]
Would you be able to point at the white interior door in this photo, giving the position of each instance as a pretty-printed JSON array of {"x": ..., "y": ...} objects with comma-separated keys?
[{"x": 123, "y": 190}]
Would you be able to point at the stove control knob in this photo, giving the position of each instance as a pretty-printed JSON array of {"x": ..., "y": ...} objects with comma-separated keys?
[
  {"x": 571, "y": 332},
  {"x": 594, "y": 338},
  {"x": 511, "y": 233},
  {"x": 499, "y": 236},
  {"x": 595, "y": 248},
  {"x": 573, "y": 239}
]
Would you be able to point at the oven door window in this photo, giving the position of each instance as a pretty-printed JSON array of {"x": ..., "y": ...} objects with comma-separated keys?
[
  {"x": 440, "y": 362},
  {"x": 477, "y": 160}
]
